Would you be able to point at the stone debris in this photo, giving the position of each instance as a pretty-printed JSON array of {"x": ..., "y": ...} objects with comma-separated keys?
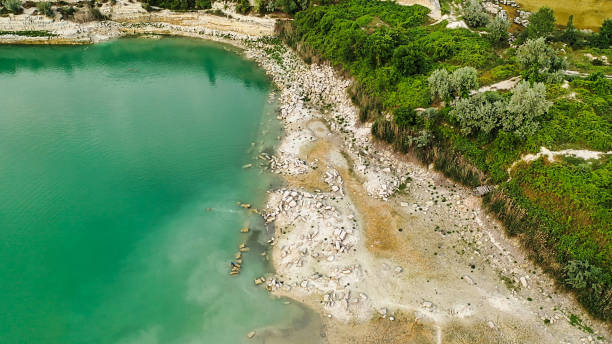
[{"x": 244, "y": 205}]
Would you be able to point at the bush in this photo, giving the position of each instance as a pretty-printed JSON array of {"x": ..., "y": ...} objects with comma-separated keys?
[
  {"x": 526, "y": 105},
  {"x": 96, "y": 14},
  {"x": 203, "y": 4},
  {"x": 487, "y": 112},
  {"x": 178, "y": 5},
  {"x": 66, "y": 11},
  {"x": 539, "y": 61},
  {"x": 603, "y": 39},
  {"x": 410, "y": 60},
  {"x": 570, "y": 34},
  {"x": 463, "y": 80},
  {"x": 498, "y": 31},
  {"x": 439, "y": 84},
  {"x": 404, "y": 117},
  {"x": 541, "y": 23},
  {"x": 474, "y": 14},
  {"x": 483, "y": 112},
  {"x": 13, "y": 6},
  {"x": 243, "y": 7},
  {"x": 45, "y": 8}
]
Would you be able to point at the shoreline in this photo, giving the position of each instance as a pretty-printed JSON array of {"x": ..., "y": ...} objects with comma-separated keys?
[
  {"x": 427, "y": 257},
  {"x": 365, "y": 254}
]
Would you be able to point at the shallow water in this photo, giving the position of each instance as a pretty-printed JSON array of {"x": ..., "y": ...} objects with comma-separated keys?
[{"x": 120, "y": 169}]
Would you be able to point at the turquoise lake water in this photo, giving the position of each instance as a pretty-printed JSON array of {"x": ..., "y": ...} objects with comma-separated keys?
[{"x": 120, "y": 169}]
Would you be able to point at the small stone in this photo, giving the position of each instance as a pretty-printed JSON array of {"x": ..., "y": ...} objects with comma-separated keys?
[
  {"x": 244, "y": 230},
  {"x": 251, "y": 334}
]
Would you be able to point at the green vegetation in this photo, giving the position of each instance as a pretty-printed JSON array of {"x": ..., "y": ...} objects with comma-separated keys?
[
  {"x": 178, "y": 5},
  {"x": 489, "y": 112},
  {"x": 95, "y": 14},
  {"x": 243, "y": 7},
  {"x": 541, "y": 24},
  {"x": 474, "y": 14},
  {"x": 44, "y": 8},
  {"x": 603, "y": 39},
  {"x": 560, "y": 210},
  {"x": 28, "y": 33},
  {"x": 539, "y": 61},
  {"x": 498, "y": 31},
  {"x": 13, "y": 6}
]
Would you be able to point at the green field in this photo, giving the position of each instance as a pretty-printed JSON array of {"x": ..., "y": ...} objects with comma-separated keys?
[{"x": 588, "y": 14}]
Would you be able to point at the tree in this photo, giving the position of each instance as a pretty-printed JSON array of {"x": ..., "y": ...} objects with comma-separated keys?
[
  {"x": 603, "y": 39},
  {"x": 439, "y": 84},
  {"x": 463, "y": 80},
  {"x": 498, "y": 31},
  {"x": 482, "y": 112},
  {"x": 539, "y": 61},
  {"x": 409, "y": 60},
  {"x": 570, "y": 35},
  {"x": 541, "y": 23},
  {"x": 13, "y": 6},
  {"x": 458, "y": 84},
  {"x": 474, "y": 14},
  {"x": 526, "y": 105}
]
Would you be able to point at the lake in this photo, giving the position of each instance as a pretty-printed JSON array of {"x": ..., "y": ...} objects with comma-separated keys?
[{"x": 120, "y": 166}]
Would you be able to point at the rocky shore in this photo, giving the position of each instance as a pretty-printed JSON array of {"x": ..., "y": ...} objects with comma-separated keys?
[
  {"x": 128, "y": 18},
  {"x": 387, "y": 250}
]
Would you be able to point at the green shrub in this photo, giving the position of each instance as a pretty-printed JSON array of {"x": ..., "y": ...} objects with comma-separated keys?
[
  {"x": 539, "y": 61},
  {"x": 44, "y": 8},
  {"x": 96, "y": 14},
  {"x": 498, "y": 31},
  {"x": 541, "y": 24},
  {"x": 404, "y": 117},
  {"x": 474, "y": 14},
  {"x": 243, "y": 7},
  {"x": 13, "y": 6},
  {"x": 203, "y": 4}
]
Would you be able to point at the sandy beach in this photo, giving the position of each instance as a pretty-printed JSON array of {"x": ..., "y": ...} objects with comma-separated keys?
[{"x": 385, "y": 249}]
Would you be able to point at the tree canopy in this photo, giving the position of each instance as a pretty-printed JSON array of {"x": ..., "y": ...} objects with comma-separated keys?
[{"x": 541, "y": 23}]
